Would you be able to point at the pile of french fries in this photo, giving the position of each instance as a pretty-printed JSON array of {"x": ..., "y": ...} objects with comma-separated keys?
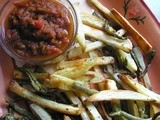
[{"x": 86, "y": 74}]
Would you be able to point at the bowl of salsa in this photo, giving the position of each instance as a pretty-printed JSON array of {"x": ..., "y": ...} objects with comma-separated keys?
[{"x": 37, "y": 30}]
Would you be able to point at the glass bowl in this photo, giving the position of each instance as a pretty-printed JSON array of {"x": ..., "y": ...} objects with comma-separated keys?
[{"x": 5, "y": 9}]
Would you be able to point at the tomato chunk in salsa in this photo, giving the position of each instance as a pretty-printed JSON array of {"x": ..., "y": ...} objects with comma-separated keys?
[{"x": 39, "y": 28}]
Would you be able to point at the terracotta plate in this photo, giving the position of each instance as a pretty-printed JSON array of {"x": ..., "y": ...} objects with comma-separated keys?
[{"x": 147, "y": 26}]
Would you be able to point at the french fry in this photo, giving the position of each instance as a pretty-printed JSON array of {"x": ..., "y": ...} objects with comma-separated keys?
[
  {"x": 74, "y": 72},
  {"x": 125, "y": 45},
  {"x": 130, "y": 63},
  {"x": 61, "y": 82},
  {"x": 96, "y": 53},
  {"x": 116, "y": 78},
  {"x": 120, "y": 32},
  {"x": 101, "y": 108},
  {"x": 103, "y": 10},
  {"x": 91, "y": 76},
  {"x": 40, "y": 112},
  {"x": 85, "y": 78},
  {"x": 109, "y": 95},
  {"x": 154, "y": 108},
  {"x": 111, "y": 85},
  {"x": 92, "y": 21},
  {"x": 67, "y": 84},
  {"x": 133, "y": 108},
  {"x": 67, "y": 117},
  {"x": 85, "y": 61},
  {"x": 67, "y": 109},
  {"x": 80, "y": 37},
  {"x": 140, "y": 40},
  {"x": 116, "y": 105},
  {"x": 140, "y": 88},
  {"x": 94, "y": 45},
  {"x": 75, "y": 100},
  {"x": 98, "y": 23},
  {"x": 95, "y": 115},
  {"x": 98, "y": 78},
  {"x": 74, "y": 53}
]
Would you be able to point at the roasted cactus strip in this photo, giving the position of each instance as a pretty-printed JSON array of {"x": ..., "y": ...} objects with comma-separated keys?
[{"x": 34, "y": 82}]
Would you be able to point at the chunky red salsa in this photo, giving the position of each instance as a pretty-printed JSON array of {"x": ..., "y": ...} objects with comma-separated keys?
[{"x": 39, "y": 28}]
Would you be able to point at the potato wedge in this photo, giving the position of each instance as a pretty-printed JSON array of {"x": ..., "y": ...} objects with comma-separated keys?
[
  {"x": 140, "y": 40},
  {"x": 125, "y": 45},
  {"x": 109, "y": 95}
]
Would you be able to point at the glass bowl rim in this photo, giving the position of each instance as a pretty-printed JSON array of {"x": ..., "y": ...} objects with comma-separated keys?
[{"x": 10, "y": 52}]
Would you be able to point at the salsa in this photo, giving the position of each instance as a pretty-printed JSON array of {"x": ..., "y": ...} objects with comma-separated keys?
[{"x": 38, "y": 28}]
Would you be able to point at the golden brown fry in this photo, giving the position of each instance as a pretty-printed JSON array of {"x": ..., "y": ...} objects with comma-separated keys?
[
  {"x": 140, "y": 40},
  {"x": 67, "y": 109}
]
